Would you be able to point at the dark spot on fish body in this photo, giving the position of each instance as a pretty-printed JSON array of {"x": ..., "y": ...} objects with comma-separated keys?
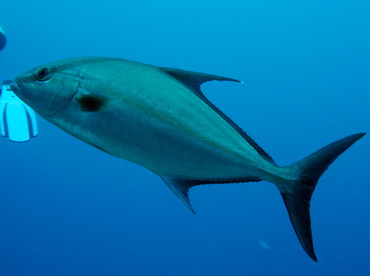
[{"x": 91, "y": 103}]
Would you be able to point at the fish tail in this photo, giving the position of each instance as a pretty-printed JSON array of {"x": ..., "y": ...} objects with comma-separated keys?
[{"x": 297, "y": 193}]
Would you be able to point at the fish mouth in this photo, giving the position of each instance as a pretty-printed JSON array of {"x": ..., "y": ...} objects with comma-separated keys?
[{"x": 16, "y": 87}]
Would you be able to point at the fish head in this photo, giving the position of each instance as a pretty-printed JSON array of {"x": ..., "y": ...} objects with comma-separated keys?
[{"x": 47, "y": 88}]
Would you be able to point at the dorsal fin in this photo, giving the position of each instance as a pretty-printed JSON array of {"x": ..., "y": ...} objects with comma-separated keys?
[{"x": 193, "y": 81}]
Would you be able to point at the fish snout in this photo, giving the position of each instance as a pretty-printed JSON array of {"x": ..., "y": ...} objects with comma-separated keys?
[{"x": 16, "y": 87}]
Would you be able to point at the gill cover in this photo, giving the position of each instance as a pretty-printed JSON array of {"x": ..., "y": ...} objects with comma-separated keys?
[{"x": 49, "y": 87}]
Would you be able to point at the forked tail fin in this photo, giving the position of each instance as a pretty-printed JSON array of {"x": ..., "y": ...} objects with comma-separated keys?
[{"x": 297, "y": 197}]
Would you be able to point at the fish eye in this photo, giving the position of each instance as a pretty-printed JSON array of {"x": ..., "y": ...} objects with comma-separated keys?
[{"x": 43, "y": 74}]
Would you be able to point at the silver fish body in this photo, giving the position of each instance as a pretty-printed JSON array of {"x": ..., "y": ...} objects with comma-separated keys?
[{"x": 159, "y": 118}]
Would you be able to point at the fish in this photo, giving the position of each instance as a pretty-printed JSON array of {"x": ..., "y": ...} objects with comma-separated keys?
[{"x": 158, "y": 118}]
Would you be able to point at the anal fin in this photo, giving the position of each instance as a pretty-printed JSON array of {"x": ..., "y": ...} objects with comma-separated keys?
[
  {"x": 181, "y": 189},
  {"x": 181, "y": 186}
]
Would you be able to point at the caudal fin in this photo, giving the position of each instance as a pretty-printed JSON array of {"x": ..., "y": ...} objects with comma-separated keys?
[{"x": 298, "y": 196}]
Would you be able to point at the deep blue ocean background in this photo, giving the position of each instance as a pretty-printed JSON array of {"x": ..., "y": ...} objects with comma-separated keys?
[{"x": 69, "y": 209}]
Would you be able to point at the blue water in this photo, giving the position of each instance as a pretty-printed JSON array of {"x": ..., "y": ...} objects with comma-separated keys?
[{"x": 69, "y": 209}]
